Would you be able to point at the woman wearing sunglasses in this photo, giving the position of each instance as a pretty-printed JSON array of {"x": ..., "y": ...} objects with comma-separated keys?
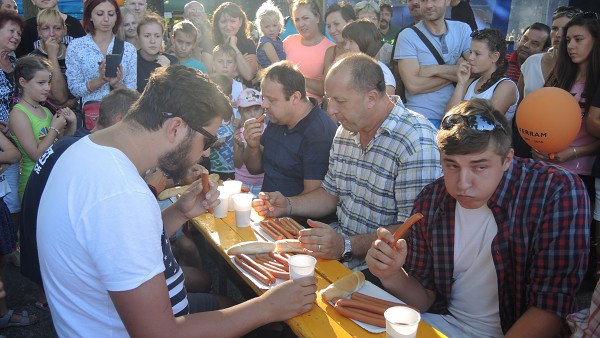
[
  {"x": 488, "y": 61},
  {"x": 537, "y": 67},
  {"x": 577, "y": 71}
]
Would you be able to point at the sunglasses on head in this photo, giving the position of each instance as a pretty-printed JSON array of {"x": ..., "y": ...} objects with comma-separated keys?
[
  {"x": 587, "y": 15},
  {"x": 210, "y": 138},
  {"x": 476, "y": 122},
  {"x": 568, "y": 11}
]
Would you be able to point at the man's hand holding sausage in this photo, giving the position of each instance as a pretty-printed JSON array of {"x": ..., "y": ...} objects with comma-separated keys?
[
  {"x": 252, "y": 132},
  {"x": 386, "y": 258},
  {"x": 271, "y": 204}
]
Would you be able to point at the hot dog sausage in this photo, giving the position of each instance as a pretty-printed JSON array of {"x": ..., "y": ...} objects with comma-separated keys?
[
  {"x": 281, "y": 259},
  {"x": 257, "y": 266},
  {"x": 362, "y": 305},
  {"x": 264, "y": 279},
  {"x": 361, "y": 316},
  {"x": 261, "y": 118},
  {"x": 280, "y": 229},
  {"x": 266, "y": 228},
  {"x": 362, "y": 297},
  {"x": 406, "y": 225},
  {"x": 206, "y": 187}
]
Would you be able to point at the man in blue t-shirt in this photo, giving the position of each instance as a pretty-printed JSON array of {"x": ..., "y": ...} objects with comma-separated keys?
[
  {"x": 293, "y": 151},
  {"x": 428, "y": 82}
]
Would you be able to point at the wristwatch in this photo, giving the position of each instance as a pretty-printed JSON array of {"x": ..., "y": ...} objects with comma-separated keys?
[{"x": 347, "y": 255}]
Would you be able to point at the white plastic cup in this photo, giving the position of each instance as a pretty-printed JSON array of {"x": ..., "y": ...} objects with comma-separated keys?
[
  {"x": 234, "y": 187},
  {"x": 220, "y": 210},
  {"x": 242, "y": 205},
  {"x": 401, "y": 322},
  {"x": 302, "y": 266}
]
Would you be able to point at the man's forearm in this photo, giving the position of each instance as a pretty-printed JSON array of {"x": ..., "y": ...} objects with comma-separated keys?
[
  {"x": 409, "y": 290},
  {"x": 536, "y": 322},
  {"x": 316, "y": 203},
  {"x": 253, "y": 160}
]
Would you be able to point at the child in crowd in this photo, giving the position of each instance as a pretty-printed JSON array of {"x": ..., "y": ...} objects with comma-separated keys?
[
  {"x": 270, "y": 47},
  {"x": 249, "y": 105},
  {"x": 221, "y": 155},
  {"x": 33, "y": 126},
  {"x": 224, "y": 64},
  {"x": 150, "y": 55},
  {"x": 184, "y": 40}
]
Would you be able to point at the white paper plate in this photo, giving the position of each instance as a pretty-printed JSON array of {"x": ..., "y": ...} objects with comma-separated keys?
[
  {"x": 372, "y": 290},
  {"x": 255, "y": 280}
]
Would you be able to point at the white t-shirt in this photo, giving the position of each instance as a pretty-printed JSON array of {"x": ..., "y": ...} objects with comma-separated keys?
[
  {"x": 488, "y": 93},
  {"x": 474, "y": 298},
  {"x": 388, "y": 77},
  {"x": 533, "y": 76},
  {"x": 99, "y": 229}
]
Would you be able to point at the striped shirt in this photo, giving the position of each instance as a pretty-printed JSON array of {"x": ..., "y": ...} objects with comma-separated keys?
[
  {"x": 514, "y": 68},
  {"x": 174, "y": 278},
  {"x": 378, "y": 185}
]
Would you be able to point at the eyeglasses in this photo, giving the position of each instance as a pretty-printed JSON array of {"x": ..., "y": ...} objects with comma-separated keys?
[
  {"x": 568, "y": 11},
  {"x": 367, "y": 4},
  {"x": 210, "y": 138},
  {"x": 476, "y": 122}
]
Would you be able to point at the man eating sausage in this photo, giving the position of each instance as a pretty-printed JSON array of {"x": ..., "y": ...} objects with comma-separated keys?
[{"x": 504, "y": 242}]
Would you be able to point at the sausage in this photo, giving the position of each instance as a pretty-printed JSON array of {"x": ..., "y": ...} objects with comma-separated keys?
[
  {"x": 264, "y": 279},
  {"x": 362, "y": 305},
  {"x": 261, "y": 118},
  {"x": 206, "y": 186},
  {"x": 244, "y": 189},
  {"x": 281, "y": 259},
  {"x": 295, "y": 224},
  {"x": 276, "y": 272},
  {"x": 406, "y": 225},
  {"x": 280, "y": 229},
  {"x": 278, "y": 266},
  {"x": 257, "y": 267},
  {"x": 362, "y": 297},
  {"x": 266, "y": 228},
  {"x": 361, "y": 315},
  {"x": 267, "y": 204},
  {"x": 289, "y": 226}
]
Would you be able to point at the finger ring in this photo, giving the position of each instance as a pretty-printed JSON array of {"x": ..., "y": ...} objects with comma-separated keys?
[{"x": 318, "y": 247}]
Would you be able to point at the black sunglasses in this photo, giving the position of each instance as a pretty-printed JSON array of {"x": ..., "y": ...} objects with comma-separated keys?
[
  {"x": 210, "y": 138},
  {"x": 476, "y": 122},
  {"x": 568, "y": 11}
]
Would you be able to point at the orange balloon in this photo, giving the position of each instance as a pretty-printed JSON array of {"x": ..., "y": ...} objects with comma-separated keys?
[
  {"x": 549, "y": 119},
  {"x": 120, "y": 2}
]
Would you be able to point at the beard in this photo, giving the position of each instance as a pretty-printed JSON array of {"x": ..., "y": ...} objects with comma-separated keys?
[
  {"x": 383, "y": 24},
  {"x": 175, "y": 163}
]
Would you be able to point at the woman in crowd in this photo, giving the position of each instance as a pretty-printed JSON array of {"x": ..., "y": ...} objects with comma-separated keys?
[
  {"x": 537, "y": 67},
  {"x": 11, "y": 26},
  {"x": 488, "y": 61},
  {"x": 51, "y": 29},
  {"x": 369, "y": 10},
  {"x": 230, "y": 26},
  {"x": 86, "y": 56},
  {"x": 577, "y": 71},
  {"x": 307, "y": 49},
  {"x": 128, "y": 30},
  {"x": 363, "y": 37},
  {"x": 336, "y": 17},
  {"x": 150, "y": 56}
]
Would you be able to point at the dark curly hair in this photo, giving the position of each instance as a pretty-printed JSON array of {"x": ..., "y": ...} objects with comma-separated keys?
[{"x": 494, "y": 39}]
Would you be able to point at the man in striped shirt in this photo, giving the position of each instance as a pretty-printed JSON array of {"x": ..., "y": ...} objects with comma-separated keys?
[{"x": 382, "y": 156}]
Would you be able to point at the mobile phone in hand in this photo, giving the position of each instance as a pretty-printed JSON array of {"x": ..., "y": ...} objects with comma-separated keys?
[{"x": 112, "y": 62}]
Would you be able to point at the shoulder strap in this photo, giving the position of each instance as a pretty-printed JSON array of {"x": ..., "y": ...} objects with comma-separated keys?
[
  {"x": 118, "y": 46},
  {"x": 427, "y": 43}
]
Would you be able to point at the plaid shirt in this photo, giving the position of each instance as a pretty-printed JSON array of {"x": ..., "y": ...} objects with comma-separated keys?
[
  {"x": 377, "y": 186},
  {"x": 586, "y": 323},
  {"x": 540, "y": 251}
]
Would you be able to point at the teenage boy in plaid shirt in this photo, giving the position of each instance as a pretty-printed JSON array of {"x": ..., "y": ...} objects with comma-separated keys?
[{"x": 504, "y": 243}]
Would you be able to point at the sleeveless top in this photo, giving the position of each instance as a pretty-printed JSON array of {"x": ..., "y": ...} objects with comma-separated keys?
[
  {"x": 261, "y": 56},
  {"x": 40, "y": 128},
  {"x": 488, "y": 93}
]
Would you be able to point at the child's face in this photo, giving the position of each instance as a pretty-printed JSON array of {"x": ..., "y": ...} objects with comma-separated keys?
[
  {"x": 224, "y": 64},
  {"x": 184, "y": 45},
  {"x": 151, "y": 38},
  {"x": 251, "y": 112},
  {"x": 38, "y": 87},
  {"x": 270, "y": 28}
]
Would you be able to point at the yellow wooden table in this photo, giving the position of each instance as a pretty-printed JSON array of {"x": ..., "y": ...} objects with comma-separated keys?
[{"x": 322, "y": 320}]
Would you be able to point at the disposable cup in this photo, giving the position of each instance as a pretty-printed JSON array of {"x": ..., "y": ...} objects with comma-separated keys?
[
  {"x": 234, "y": 187},
  {"x": 221, "y": 209},
  {"x": 401, "y": 322},
  {"x": 302, "y": 266},
  {"x": 242, "y": 205}
]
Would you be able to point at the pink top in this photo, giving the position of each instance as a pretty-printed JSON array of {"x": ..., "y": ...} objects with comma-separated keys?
[
  {"x": 309, "y": 59},
  {"x": 581, "y": 165},
  {"x": 242, "y": 174}
]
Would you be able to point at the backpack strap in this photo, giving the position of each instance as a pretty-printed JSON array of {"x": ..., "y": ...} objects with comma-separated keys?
[
  {"x": 118, "y": 46},
  {"x": 428, "y": 44}
]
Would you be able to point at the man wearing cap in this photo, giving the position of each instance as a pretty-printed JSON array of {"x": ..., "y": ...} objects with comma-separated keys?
[
  {"x": 293, "y": 151},
  {"x": 249, "y": 105}
]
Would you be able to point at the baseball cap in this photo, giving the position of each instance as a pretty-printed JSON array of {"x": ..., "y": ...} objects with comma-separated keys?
[{"x": 249, "y": 97}]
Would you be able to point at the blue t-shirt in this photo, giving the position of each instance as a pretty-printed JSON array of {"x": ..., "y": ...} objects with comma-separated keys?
[
  {"x": 194, "y": 63},
  {"x": 409, "y": 46},
  {"x": 291, "y": 156},
  {"x": 261, "y": 56}
]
